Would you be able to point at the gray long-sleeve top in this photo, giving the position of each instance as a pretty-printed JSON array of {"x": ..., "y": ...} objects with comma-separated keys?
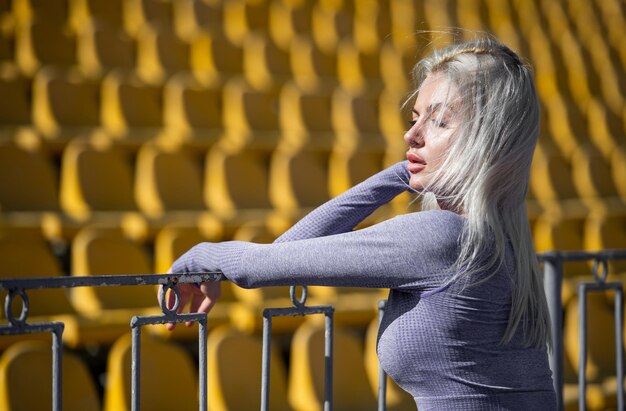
[{"x": 439, "y": 341}]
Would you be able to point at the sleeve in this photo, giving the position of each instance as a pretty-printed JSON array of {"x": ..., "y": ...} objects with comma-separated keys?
[
  {"x": 413, "y": 251},
  {"x": 344, "y": 212}
]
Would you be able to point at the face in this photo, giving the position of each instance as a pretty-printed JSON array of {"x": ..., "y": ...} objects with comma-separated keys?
[{"x": 433, "y": 124}]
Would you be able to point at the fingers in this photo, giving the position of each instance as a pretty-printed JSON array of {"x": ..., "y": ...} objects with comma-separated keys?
[
  {"x": 185, "y": 294},
  {"x": 196, "y": 301}
]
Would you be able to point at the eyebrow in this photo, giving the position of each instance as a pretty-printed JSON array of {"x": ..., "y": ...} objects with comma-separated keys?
[{"x": 431, "y": 109}]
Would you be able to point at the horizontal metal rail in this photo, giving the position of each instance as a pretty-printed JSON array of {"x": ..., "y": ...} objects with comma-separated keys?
[{"x": 33, "y": 283}]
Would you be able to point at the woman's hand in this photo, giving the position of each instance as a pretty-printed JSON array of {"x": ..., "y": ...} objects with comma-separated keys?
[{"x": 201, "y": 298}]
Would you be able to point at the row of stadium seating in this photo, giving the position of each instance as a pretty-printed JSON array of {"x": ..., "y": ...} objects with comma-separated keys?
[
  {"x": 169, "y": 378},
  {"x": 131, "y": 130}
]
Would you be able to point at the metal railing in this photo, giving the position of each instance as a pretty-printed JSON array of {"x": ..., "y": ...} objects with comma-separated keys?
[
  {"x": 553, "y": 277},
  {"x": 553, "y": 280}
]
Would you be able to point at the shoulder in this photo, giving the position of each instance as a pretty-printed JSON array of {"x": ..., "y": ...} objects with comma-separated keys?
[
  {"x": 439, "y": 220},
  {"x": 430, "y": 230}
]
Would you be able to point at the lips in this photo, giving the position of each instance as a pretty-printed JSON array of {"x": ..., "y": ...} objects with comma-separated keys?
[{"x": 416, "y": 163}]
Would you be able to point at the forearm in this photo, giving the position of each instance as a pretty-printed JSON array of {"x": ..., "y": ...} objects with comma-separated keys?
[
  {"x": 409, "y": 252},
  {"x": 346, "y": 211}
]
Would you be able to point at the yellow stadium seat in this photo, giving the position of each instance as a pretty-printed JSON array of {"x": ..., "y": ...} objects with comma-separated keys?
[
  {"x": 306, "y": 114},
  {"x": 618, "y": 169},
  {"x": 214, "y": 57},
  {"x": 597, "y": 398},
  {"x": 27, "y": 11},
  {"x": 299, "y": 177},
  {"x": 351, "y": 390},
  {"x": 609, "y": 70},
  {"x": 251, "y": 114},
  {"x": 329, "y": 26},
  {"x": 312, "y": 67},
  {"x": 472, "y": 15},
  {"x": 243, "y": 17},
  {"x": 350, "y": 163},
  {"x": 168, "y": 377},
  {"x": 552, "y": 183},
  {"x": 372, "y": 24},
  {"x": 356, "y": 119},
  {"x": 397, "y": 398},
  {"x": 95, "y": 179},
  {"x": 396, "y": 67},
  {"x": 234, "y": 368},
  {"x": 565, "y": 234},
  {"x": 15, "y": 106},
  {"x": 34, "y": 188},
  {"x": 84, "y": 13},
  {"x": 266, "y": 66},
  {"x": 18, "y": 246},
  {"x": 105, "y": 251},
  {"x": 65, "y": 104},
  {"x": 43, "y": 42},
  {"x": 160, "y": 53},
  {"x": 604, "y": 127},
  {"x": 561, "y": 124},
  {"x": 600, "y": 335},
  {"x": 607, "y": 232},
  {"x": 288, "y": 19},
  {"x": 405, "y": 20},
  {"x": 594, "y": 182},
  {"x": 231, "y": 169},
  {"x": 394, "y": 117},
  {"x": 358, "y": 70},
  {"x": 131, "y": 110},
  {"x": 168, "y": 179},
  {"x": 191, "y": 106},
  {"x": 193, "y": 16},
  {"x": 103, "y": 47},
  {"x": 26, "y": 380},
  {"x": 138, "y": 14}
]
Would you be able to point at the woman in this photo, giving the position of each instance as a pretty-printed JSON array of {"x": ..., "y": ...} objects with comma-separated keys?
[{"x": 466, "y": 325}]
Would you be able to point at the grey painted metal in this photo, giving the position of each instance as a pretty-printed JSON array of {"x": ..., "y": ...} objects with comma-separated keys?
[
  {"x": 299, "y": 309},
  {"x": 107, "y": 280},
  {"x": 56, "y": 328},
  {"x": 553, "y": 279},
  {"x": 382, "y": 375},
  {"x": 265, "y": 362},
  {"x": 135, "y": 385},
  {"x": 583, "y": 289},
  {"x": 328, "y": 361},
  {"x": 169, "y": 316},
  {"x": 57, "y": 368}
]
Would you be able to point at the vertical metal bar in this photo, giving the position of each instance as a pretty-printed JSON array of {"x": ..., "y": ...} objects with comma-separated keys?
[
  {"x": 265, "y": 371},
  {"x": 582, "y": 346},
  {"x": 135, "y": 367},
  {"x": 202, "y": 363},
  {"x": 382, "y": 375},
  {"x": 619, "y": 344},
  {"x": 57, "y": 364},
  {"x": 553, "y": 278},
  {"x": 328, "y": 362}
]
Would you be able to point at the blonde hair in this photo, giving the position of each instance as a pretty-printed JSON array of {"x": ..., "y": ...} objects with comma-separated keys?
[{"x": 485, "y": 173}]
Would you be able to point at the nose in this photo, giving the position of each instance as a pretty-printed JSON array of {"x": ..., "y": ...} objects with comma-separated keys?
[{"x": 414, "y": 137}]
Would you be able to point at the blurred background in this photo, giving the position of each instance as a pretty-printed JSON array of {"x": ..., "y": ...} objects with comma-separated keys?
[{"x": 131, "y": 130}]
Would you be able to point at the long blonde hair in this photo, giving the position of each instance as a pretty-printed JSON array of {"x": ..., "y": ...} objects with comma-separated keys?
[{"x": 486, "y": 171}]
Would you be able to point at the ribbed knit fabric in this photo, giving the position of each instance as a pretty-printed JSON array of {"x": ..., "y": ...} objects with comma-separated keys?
[{"x": 439, "y": 342}]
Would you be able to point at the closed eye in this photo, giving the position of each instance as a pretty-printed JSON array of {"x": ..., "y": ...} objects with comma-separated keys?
[{"x": 412, "y": 122}]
